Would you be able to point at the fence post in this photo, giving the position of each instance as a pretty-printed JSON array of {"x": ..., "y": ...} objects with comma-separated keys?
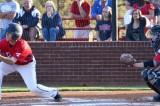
[{"x": 114, "y": 21}]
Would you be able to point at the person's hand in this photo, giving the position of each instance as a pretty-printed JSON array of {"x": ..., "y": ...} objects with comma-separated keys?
[
  {"x": 49, "y": 14},
  {"x": 24, "y": 26},
  {"x": 57, "y": 27},
  {"x": 99, "y": 17}
]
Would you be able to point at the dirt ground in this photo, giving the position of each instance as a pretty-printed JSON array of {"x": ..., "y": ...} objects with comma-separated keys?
[{"x": 88, "y": 98}]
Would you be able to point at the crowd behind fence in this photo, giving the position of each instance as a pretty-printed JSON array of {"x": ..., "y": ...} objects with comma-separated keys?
[{"x": 52, "y": 22}]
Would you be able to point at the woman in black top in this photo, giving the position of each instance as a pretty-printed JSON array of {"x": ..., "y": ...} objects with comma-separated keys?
[{"x": 136, "y": 29}]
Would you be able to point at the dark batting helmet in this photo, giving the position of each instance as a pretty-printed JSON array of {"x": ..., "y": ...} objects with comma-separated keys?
[
  {"x": 15, "y": 29},
  {"x": 155, "y": 31}
]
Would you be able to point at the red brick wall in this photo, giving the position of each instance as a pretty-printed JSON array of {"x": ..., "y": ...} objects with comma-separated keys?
[{"x": 92, "y": 63}]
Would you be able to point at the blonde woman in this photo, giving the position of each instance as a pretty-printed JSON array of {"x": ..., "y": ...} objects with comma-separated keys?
[
  {"x": 104, "y": 26},
  {"x": 52, "y": 28}
]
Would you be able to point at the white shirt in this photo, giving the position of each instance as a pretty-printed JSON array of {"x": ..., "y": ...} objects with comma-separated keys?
[
  {"x": 128, "y": 17},
  {"x": 8, "y": 7}
]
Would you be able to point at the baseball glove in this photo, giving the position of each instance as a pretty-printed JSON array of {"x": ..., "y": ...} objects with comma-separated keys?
[{"x": 127, "y": 59}]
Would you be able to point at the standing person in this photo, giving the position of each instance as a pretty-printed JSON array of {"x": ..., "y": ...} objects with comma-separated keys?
[
  {"x": 151, "y": 76},
  {"x": 136, "y": 29},
  {"x": 8, "y": 10},
  {"x": 81, "y": 9},
  {"x": 146, "y": 7},
  {"x": 52, "y": 28},
  {"x": 156, "y": 3},
  {"x": 29, "y": 18},
  {"x": 98, "y": 6},
  {"x": 128, "y": 14},
  {"x": 18, "y": 57},
  {"x": 104, "y": 26}
]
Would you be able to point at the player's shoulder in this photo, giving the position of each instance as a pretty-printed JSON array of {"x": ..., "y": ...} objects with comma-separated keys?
[
  {"x": 4, "y": 41},
  {"x": 21, "y": 42}
]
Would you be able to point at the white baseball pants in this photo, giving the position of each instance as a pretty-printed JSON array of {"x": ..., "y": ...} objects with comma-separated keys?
[{"x": 28, "y": 74}]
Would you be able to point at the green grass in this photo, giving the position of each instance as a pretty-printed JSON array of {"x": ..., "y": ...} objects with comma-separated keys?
[{"x": 23, "y": 89}]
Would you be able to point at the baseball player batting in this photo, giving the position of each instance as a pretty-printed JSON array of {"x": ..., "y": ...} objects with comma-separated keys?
[
  {"x": 150, "y": 76},
  {"x": 18, "y": 57}
]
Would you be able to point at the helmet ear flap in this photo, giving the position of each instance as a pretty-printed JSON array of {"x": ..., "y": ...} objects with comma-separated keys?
[
  {"x": 15, "y": 37},
  {"x": 15, "y": 29}
]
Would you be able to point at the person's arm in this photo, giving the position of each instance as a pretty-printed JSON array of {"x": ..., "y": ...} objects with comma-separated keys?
[
  {"x": 151, "y": 9},
  {"x": 150, "y": 63},
  {"x": 155, "y": 16},
  {"x": 72, "y": 11},
  {"x": 2, "y": 15},
  {"x": 97, "y": 31},
  {"x": 150, "y": 15},
  {"x": 16, "y": 18},
  {"x": 128, "y": 33},
  {"x": 109, "y": 39},
  {"x": 97, "y": 36},
  {"x": 82, "y": 12},
  {"x": 10, "y": 15},
  {"x": 94, "y": 9},
  {"x": 8, "y": 60},
  {"x": 155, "y": 20},
  {"x": 75, "y": 15},
  {"x": 35, "y": 19},
  {"x": 44, "y": 21},
  {"x": 62, "y": 31}
]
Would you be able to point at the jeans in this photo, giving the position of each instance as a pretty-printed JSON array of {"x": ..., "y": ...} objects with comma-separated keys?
[
  {"x": 2, "y": 34},
  {"x": 50, "y": 34}
]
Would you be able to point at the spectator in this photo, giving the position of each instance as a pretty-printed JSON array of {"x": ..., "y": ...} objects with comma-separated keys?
[
  {"x": 52, "y": 28},
  {"x": 103, "y": 27},
  {"x": 136, "y": 29},
  {"x": 156, "y": 3},
  {"x": 146, "y": 7},
  {"x": 158, "y": 19},
  {"x": 128, "y": 14},
  {"x": 8, "y": 10},
  {"x": 29, "y": 18},
  {"x": 98, "y": 6},
  {"x": 81, "y": 9}
]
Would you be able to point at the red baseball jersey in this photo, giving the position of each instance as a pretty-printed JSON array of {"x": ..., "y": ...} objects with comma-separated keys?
[
  {"x": 21, "y": 51},
  {"x": 157, "y": 57},
  {"x": 75, "y": 10}
]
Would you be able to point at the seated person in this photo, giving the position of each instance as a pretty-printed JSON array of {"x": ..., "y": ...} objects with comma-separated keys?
[
  {"x": 104, "y": 26},
  {"x": 52, "y": 28},
  {"x": 29, "y": 18}
]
